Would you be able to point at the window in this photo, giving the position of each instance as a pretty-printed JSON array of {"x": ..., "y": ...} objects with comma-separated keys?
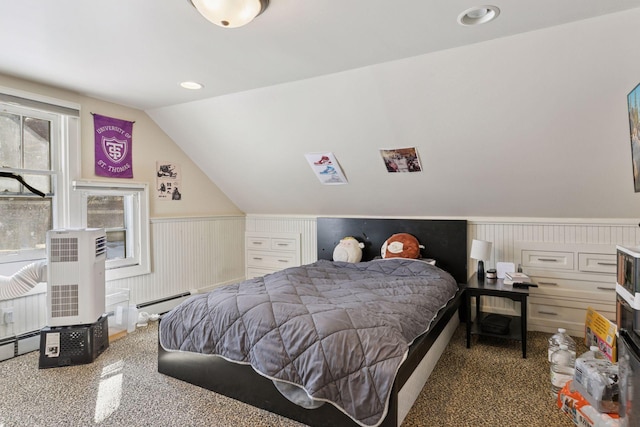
[
  {"x": 40, "y": 143},
  {"x": 29, "y": 140},
  {"x": 122, "y": 210}
]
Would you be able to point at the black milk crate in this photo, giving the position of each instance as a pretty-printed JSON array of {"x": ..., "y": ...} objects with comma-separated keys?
[{"x": 73, "y": 345}]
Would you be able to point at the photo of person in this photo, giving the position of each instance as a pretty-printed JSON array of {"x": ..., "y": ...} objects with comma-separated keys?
[{"x": 401, "y": 160}]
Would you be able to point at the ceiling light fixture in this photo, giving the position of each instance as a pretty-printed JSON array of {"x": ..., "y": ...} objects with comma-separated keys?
[
  {"x": 191, "y": 85},
  {"x": 478, "y": 15},
  {"x": 230, "y": 13}
]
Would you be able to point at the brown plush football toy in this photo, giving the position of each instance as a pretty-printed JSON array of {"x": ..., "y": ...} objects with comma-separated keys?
[{"x": 401, "y": 245}]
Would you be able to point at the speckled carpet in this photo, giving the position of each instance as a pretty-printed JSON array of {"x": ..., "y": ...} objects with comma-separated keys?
[{"x": 487, "y": 385}]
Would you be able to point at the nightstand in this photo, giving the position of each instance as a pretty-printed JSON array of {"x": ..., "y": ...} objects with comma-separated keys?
[{"x": 496, "y": 288}]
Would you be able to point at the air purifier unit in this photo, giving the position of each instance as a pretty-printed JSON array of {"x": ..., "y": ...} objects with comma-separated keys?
[{"x": 75, "y": 276}]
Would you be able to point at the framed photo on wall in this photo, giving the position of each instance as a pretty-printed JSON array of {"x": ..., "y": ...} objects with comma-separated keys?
[{"x": 633, "y": 102}]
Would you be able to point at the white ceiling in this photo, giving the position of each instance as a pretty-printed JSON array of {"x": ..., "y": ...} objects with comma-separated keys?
[
  {"x": 135, "y": 52},
  {"x": 523, "y": 117}
]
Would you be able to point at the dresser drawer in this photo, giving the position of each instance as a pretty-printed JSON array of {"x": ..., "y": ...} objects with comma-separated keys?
[
  {"x": 257, "y": 272},
  {"x": 597, "y": 263},
  {"x": 278, "y": 244},
  {"x": 270, "y": 260},
  {"x": 258, "y": 243},
  {"x": 548, "y": 259},
  {"x": 576, "y": 287},
  {"x": 552, "y": 314}
]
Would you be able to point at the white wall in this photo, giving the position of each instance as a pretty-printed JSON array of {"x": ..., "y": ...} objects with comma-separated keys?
[
  {"x": 533, "y": 125},
  {"x": 200, "y": 196}
]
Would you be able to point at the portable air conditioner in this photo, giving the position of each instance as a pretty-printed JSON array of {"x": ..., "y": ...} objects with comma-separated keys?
[{"x": 75, "y": 276}]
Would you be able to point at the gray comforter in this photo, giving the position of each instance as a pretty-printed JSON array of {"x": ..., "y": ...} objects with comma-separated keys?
[{"x": 338, "y": 330}]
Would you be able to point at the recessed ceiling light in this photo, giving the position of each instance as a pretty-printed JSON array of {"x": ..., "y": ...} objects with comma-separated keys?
[
  {"x": 191, "y": 85},
  {"x": 478, "y": 15}
]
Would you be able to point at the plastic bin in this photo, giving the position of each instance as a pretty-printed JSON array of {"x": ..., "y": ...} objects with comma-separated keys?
[
  {"x": 73, "y": 345},
  {"x": 117, "y": 309}
]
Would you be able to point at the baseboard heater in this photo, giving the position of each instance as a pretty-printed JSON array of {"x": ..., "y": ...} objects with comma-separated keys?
[
  {"x": 161, "y": 306},
  {"x": 21, "y": 344}
]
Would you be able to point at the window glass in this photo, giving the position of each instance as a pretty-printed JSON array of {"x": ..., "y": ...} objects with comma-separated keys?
[
  {"x": 10, "y": 140},
  {"x": 122, "y": 209},
  {"x": 37, "y": 150},
  {"x": 24, "y": 223},
  {"x": 9, "y": 186},
  {"x": 25, "y": 149},
  {"x": 108, "y": 212}
]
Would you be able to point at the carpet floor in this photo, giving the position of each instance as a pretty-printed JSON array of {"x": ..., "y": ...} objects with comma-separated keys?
[{"x": 489, "y": 384}]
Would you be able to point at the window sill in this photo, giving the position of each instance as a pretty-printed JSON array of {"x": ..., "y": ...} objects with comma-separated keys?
[{"x": 126, "y": 272}]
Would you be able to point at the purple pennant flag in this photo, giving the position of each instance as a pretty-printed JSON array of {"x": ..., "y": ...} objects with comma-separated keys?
[{"x": 113, "y": 147}]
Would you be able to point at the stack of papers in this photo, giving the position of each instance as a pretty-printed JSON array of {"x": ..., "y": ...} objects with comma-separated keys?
[{"x": 511, "y": 278}]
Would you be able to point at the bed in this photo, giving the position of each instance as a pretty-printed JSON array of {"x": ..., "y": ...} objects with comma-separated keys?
[{"x": 446, "y": 243}]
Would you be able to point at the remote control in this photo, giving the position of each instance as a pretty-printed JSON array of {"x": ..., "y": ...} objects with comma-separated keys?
[{"x": 524, "y": 285}]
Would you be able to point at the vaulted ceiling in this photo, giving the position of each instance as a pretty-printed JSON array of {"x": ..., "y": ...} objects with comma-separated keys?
[{"x": 523, "y": 116}]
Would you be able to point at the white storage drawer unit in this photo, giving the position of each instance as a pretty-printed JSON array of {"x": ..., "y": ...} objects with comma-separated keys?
[
  {"x": 270, "y": 252},
  {"x": 570, "y": 278}
]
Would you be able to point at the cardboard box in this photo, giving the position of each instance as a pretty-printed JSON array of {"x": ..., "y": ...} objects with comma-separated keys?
[
  {"x": 569, "y": 401},
  {"x": 572, "y": 402},
  {"x": 601, "y": 331}
]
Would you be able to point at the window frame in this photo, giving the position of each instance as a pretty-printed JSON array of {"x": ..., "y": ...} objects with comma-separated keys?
[
  {"x": 58, "y": 144},
  {"x": 136, "y": 221}
]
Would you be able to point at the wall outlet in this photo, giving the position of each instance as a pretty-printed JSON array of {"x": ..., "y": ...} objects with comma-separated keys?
[{"x": 7, "y": 315}]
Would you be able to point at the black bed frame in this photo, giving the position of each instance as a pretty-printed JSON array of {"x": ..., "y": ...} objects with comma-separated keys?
[{"x": 445, "y": 241}]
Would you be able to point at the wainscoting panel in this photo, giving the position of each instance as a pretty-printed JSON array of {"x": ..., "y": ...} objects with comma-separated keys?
[
  {"x": 29, "y": 314},
  {"x": 503, "y": 233},
  {"x": 188, "y": 255}
]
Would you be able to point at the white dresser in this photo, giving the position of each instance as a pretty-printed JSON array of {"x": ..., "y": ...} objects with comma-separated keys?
[
  {"x": 570, "y": 278},
  {"x": 270, "y": 252}
]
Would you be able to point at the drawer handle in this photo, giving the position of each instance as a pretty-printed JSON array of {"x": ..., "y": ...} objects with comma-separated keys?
[
  {"x": 257, "y": 259},
  {"x": 256, "y": 243},
  {"x": 282, "y": 244},
  {"x": 608, "y": 264},
  {"x": 604, "y": 288},
  {"x": 547, "y": 260},
  {"x": 284, "y": 260},
  {"x": 548, "y": 283},
  {"x": 548, "y": 312}
]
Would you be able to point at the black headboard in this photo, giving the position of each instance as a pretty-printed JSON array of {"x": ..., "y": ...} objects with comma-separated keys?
[{"x": 444, "y": 240}]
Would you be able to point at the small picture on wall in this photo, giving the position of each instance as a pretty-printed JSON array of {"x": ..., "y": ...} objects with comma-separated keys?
[
  {"x": 326, "y": 168},
  {"x": 633, "y": 102},
  {"x": 401, "y": 160},
  {"x": 168, "y": 181}
]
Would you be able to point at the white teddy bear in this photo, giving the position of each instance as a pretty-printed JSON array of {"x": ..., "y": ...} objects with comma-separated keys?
[{"x": 348, "y": 250}]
